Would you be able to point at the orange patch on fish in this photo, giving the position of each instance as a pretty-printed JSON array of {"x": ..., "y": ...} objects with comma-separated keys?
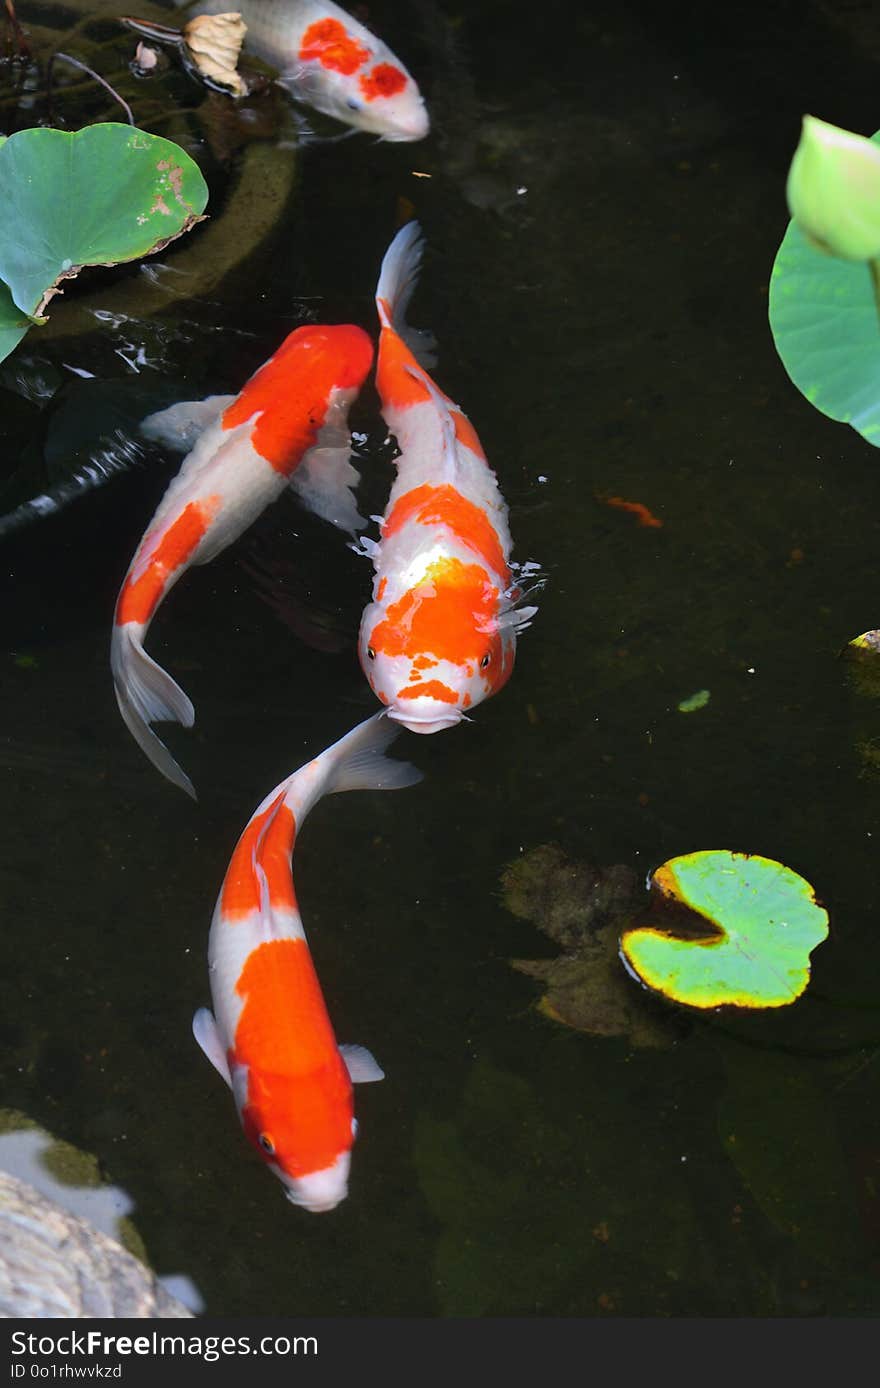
[
  {"x": 267, "y": 842},
  {"x": 430, "y": 689},
  {"x": 446, "y": 506},
  {"x": 423, "y": 662},
  {"x": 642, "y": 514},
  {"x": 380, "y": 591},
  {"x": 291, "y": 391},
  {"x": 446, "y": 614},
  {"x": 329, "y": 43},
  {"x": 299, "y": 1091},
  {"x": 383, "y": 80},
  {"x": 394, "y": 381},
  {"x": 140, "y": 596}
]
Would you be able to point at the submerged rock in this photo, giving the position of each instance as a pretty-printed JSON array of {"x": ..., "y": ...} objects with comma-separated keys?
[{"x": 583, "y": 909}]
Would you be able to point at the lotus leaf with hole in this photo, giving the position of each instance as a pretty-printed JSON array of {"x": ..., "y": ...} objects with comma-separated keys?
[
  {"x": 726, "y": 929},
  {"x": 97, "y": 196}
]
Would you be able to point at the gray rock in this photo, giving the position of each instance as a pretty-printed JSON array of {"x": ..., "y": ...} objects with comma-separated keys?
[{"x": 53, "y": 1263}]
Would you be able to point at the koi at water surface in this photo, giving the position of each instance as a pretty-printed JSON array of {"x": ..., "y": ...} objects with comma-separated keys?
[
  {"x": 330, "y": 61},
  {"x": 288, "y": 426},
  {"x": 440, "y": 633},
  {"x": 270, "y": 1037}
]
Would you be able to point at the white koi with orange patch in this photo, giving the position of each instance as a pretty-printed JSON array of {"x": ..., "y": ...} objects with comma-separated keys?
[
  {"x": 270, "y": 1036},
  {"x": 288, "y": 426},
  {"x": 331, "y": 62},
  {"x": 440, "y": 633}
]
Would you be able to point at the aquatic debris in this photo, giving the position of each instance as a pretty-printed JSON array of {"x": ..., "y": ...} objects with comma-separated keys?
[
  {"x": 726, "y": 929},
  {"x": 581, "y": 908},
  {"x": 209, "y": 47},
  {"x": 862, "y": 656},
  {"x": 826, "y": 277},
  {"x": 636, "y": 508},
  {"x": 97, "y": 196},
  {"x": 694, "y": 701},
  {"x": 213, "y": 42}
]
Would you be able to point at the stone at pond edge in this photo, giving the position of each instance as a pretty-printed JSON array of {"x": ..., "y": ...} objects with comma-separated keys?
[{"x": 53, "y": 1264}]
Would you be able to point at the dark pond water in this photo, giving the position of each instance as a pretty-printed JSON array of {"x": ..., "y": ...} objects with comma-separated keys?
[{"x": 604, "y": 202}]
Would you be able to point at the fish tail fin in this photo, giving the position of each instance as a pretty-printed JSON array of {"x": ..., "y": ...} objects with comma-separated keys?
[
  {"x": 358, "y": 760},
  {"x": 146, "y": 694},
  {"x": 397, "y": 281}
]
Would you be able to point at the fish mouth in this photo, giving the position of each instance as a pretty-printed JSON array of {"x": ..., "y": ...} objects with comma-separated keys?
[
  {"x": 425, "y": 725},
  {"x": 316, "y": 1206},
  {"x": 405, "y": 131}
]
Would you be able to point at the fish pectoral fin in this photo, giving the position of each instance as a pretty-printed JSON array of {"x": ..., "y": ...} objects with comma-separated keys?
[
  {"x": 361, "y": 1064},
  {"x": 206, "y": 1033},
  {"x": 180, "y": 425},
  {"x": 324, "y": 482}
]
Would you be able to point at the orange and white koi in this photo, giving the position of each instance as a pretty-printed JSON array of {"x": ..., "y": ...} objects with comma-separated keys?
[
  {"x": 440, "y": 633},
  {"x": 328, "y": 60},
  {"x": 288, "y": 426},
  {"x": 270, "y": 1037}
]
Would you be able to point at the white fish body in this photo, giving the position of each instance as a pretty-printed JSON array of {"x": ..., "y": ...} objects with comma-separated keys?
[{"x": 328, "y": 60}]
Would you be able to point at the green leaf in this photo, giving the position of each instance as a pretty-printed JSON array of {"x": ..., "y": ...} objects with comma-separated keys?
[
  {"x": 747, "y": 941},
  {"x": 825, "y": 324},
  {"x": 97, "y": 196},
  {"x": 13, "y": 323}
]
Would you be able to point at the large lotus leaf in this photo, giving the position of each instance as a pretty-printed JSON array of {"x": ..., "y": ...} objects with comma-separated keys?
[
  {"x": 13, "y": 323},
  {"x": 826, "y": 326},
  {"x": 733, "y": 929},
  {"x": 96, "y": 196}
]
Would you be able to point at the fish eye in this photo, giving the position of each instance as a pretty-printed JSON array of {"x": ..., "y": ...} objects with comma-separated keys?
[
  {"x": 354, "y": 1127},
  {"x": 353, "y": 105},
  {"x": 371, "y": 653},
  {"x": 485, "y": 661},
  {"x": 267, "y": 1144}
]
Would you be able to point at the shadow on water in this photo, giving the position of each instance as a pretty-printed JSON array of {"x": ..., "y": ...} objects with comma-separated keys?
[{"x": 601, "y": 207}]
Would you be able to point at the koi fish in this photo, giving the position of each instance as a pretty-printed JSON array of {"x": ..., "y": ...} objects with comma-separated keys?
[
  {"x": 288, "y": 426},
  {"x": 440, "y": 633},
  {"x": 328, "y": 60},
  {"x": 270, "y": 1037}
]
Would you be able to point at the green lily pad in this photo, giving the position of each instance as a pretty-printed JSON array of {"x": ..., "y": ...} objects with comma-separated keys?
[
  {"x": 732, "y": 929},
  {"x": 13, "y": 323},
  {"x": 826, "y": 327},
  {"x": 97, "y": 196}
]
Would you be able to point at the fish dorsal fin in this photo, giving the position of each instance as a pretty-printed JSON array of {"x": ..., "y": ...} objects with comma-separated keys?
[
  {"x": 361, "y": 1064},
  {"x": 444, "y": 408},
  {"x": 206, "y": 1033}
]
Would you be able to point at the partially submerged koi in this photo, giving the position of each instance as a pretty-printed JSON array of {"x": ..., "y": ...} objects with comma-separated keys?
[
  {"x": 328, "y": 60},
  {"x": 440, "y": 633},
  {"x": 288, "y": 426},
  {"x": 270, "y": 1037}
]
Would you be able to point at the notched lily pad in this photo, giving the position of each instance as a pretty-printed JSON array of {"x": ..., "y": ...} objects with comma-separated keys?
[
  {"x": 580, "y": 907},
  {"x": 726, "y": 929},
  {"x": 97, "y": 196}
]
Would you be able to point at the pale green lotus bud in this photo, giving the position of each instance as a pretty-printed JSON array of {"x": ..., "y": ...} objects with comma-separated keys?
[{"x": 833, "y": 190}]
